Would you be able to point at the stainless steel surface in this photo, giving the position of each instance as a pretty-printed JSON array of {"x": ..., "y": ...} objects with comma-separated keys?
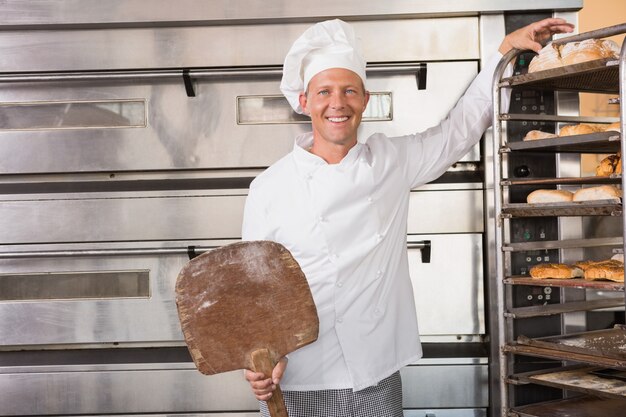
[
  {"x": 431, "y": 386},
  {"x": 453, "y": 211},
  {"x": 106, "y": 392},
  {"x": 149, "y": 389},
  {"x": 227, "y": 46},
  {"x": 449, "y": 295},
  {"x": 181, "y": 135},
  {"x": 440, "y": 412},
  {"x": 188, "y": 216},
  {"x": 135, "y": 12}
]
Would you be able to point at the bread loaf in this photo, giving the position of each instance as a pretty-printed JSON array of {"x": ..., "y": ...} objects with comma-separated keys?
[
  {"x": 611, "y": 269},
  {"x": 607, "y": 166},
  {"x": 580, "y": 129},
  {"x": 538, "y": 134},
  {"x": 556, "y": 271},
  {"x": 601, "y": 192},
  {"x": 615, "y": 127},
  {"x": 549, "y": 57},
  {"x": 553, "y": 56},
  {"x": 549, "y": 196}
]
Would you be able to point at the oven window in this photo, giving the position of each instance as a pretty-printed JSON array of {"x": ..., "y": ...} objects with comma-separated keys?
[
  {"x": 74, "y": 285},
  {"x": 73, "y": 115},
  {"x": 253, "y": 110}
]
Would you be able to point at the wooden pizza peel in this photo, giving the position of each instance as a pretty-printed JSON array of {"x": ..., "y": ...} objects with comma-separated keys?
[{"x": 244, "y": 306}]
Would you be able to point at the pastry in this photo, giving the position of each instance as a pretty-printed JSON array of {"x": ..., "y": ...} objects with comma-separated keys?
[{"x": 538, "y": 134}]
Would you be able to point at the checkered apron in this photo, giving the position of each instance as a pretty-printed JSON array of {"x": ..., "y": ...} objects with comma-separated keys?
[{"x": 381, "y": 400}]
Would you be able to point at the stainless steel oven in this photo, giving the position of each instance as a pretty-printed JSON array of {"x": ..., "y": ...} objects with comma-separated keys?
[{"x": 129, "y": 138}]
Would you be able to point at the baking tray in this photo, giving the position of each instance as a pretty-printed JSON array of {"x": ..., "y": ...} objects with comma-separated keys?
[
  {"x": 584, "y": 379},
  {"x": 600, "y": 142},
  {"x": 575, "y": 208},
  {"x": 607, "y": 344},
  {"x": 600, "y": 76},
  {"x": 582, "y": 406},
  {"x": 569, "y": 283},
  {"x": 612, "y": 179}
]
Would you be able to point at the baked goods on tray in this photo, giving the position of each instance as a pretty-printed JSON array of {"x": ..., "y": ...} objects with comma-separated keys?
[
  {"x": 611, "y": 269},
  {"x": 554, "y": 56},
  {"x": 612, "y": 164},
  {"x": 549, "y": 196},
  {"x": 600, "y": 192},
  {"x": 538, "y": 134},
  {"x": 555, "y": 271}
]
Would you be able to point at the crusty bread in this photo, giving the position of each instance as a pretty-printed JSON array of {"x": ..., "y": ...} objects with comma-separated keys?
[
  {"x": 600, "y": 192},
  {"x": 549, "y": 57},
  {"x": 538, "y": 134},
  {"x": 549, "y": 196},
  {"x": 610, "y": 269},
  {"x": 615, "y": 127},
  {"x": 580, "y": 129},
  {"x": 556, "y": 271},
  {"x": 618, "y": 166},
  {"x": 553, "y": 56},
  {"x": 618, "y": 257},
  {"x": 607, "y": 166}
]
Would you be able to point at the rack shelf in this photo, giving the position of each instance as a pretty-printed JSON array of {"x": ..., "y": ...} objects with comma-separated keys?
[
  {"x": 600, "y": 142},
  {"x": 565, "y": 283},
  {"x": 612, "y": 179},
  {"x": 582, "y": 208},
  {"x": 599, "y": 76},
  {"x": 591, "y": 349},
  {"x": 585, "y": 379}
]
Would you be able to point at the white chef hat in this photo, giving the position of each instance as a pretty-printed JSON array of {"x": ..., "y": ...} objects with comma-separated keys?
[{"x": 329, "y": 44}]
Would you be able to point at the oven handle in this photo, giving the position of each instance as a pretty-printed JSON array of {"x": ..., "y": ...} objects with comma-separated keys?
[
  {"x": 425, "y": 248},
  {"x": 418, "y": 68},
  {"x": 191, "y": 251}
]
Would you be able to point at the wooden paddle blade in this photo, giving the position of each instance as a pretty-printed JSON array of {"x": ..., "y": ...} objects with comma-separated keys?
[{"x": 240, "y": 298}]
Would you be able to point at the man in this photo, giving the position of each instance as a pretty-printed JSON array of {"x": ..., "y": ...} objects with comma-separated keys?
[{"x": 339, "y": 203}]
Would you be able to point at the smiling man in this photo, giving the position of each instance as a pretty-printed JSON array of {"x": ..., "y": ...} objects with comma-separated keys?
[{"x": 339, "y": 203}]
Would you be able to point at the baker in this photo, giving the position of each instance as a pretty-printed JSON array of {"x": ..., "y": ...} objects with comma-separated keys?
[{"x": 339, "y": 203}]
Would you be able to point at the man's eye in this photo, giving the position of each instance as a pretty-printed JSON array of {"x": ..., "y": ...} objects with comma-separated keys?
[
  {"x": 350, "y": 91},
  {"x": 323, "y": 92}
]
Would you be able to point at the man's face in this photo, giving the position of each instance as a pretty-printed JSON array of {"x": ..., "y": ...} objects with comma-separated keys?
[{"x": 335, "y": 100}]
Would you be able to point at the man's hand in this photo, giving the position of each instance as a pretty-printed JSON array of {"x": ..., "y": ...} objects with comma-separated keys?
[
  {"x": 534, "y": 35},
  {"x": 262, "y": 386}
]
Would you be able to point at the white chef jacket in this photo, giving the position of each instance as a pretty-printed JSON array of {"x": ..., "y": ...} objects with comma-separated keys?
[{"x": 346, "y": 226}]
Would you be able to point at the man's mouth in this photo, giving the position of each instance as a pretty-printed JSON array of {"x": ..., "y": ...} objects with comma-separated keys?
[{"x": 338, "y": 119}]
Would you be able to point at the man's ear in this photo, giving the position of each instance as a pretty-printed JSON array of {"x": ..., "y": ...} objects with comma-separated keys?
[
  {"x": 367, "y": 99},
  {"x": 303, "y": 102}
]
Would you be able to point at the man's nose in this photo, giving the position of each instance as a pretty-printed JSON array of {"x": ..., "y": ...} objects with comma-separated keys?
[{"x": 338, "y": 101}]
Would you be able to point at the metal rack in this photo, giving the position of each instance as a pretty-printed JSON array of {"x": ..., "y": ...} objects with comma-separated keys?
[{"x": 603, "y": 390}]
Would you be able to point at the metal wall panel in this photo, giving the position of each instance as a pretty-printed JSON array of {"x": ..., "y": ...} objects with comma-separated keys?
[
  {"x": 449, "y": 294},
  {"x": 162, "y": 388},
  {"x": 81, "y": 12},
  {"x": 197, "y": 132},
  {"x": 453, "y": 211},
  {"x": 226, "y": 46}
]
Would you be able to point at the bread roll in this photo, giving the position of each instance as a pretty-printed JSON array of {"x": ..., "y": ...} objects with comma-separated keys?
[
  {"x": 538, "y": 134},
  {"x": 618, "y": 166},
  {"x": 618, "y": 257},
  {"x": 601, "y": 192},
  {"x": 549, "y": 196},
  {"x": 556, "y": 271},
  {"x": 580, "y": 129},
  {"x": 607, "y": 166}
]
